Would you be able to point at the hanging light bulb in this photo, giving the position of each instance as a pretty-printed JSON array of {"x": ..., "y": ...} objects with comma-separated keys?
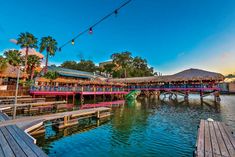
[
  {"x": 90, "y": 30},
  {"x": 116, "y": 12},
  {"x": 72, "y": 42}
]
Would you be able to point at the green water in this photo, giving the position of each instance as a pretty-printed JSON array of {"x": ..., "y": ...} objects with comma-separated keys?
[{"x": 148, "y": 127}]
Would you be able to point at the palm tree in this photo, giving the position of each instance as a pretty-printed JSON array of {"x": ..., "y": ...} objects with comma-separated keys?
[
  {"x": 33, "y": 62},
  {"x": 27, "y": 40},
  {"x": 50, "y": 45},
  {"x": 13, "y": 57},
  {"x": 3, "y": 64}
]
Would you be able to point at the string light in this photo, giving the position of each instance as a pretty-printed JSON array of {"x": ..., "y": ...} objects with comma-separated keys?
[
  {"x": 90, "y": 29},
  {"x": 116, "y": 12}
]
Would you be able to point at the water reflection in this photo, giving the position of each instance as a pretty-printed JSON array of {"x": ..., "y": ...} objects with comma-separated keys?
[{"x": 147, "y": 127}]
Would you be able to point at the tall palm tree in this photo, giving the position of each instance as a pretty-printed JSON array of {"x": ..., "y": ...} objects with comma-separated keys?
[
  {"x": 50, "y": 45},
  {"x": 3, "y": 64},
  {"x": 13, "y": 57},
  {"x": 33, "y": 62},
  {"x": 27, "y": 40}
]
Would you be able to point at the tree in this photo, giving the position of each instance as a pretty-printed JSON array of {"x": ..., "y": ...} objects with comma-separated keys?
[
  {"x": 140, "y": 68},
  {"x": 86, "y": 65},
  {"x": 109, "y": 68},
  {"x": 3, "y": 63},
  {"x": 123, "y": 60},
  {"x": 27, "y": 40},
  {"x": 69, "y": 65},
  {"x": 50, "y": 45},
  {"x": 13, "y": 57},
  {"x": 52, "y": 75},
  {"x": 83, "y": 65},
  {"x": 33, "y": 62}
]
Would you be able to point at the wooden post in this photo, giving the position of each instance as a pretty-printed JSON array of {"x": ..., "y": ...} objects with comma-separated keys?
[
  {"x": 65, "y": 120},
  {"x": 98, "y": 114},
  {"x": 201, "y": 96},
  {"x": 73, "y": 99},
  {"x": 66, "y": 98}
]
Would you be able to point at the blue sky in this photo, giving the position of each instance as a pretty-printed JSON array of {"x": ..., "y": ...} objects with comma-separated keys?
[{"x": 171, "y": 34}]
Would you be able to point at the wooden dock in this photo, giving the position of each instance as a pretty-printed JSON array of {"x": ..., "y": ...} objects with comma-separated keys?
[
  {"x": 66, "y": 116},
  {"x": 16, "y": 143},
  {"x": 215, "y": 140}
]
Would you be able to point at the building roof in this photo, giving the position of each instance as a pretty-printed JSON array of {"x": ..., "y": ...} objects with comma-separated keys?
[
  {"x": 12, "y": 71},
  {"x": 186, "y": 75},
  {"x": 74, "y": 73}
]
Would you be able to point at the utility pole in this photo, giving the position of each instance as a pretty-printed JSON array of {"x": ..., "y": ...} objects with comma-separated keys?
[{"x": 16, "y": 93}]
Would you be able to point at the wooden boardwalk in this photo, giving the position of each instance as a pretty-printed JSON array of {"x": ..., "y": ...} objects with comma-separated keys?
[
  {"x": 215, "y": 140},
  {"x": 16, "y": 143},
  {"x": 55, "y": 116}
]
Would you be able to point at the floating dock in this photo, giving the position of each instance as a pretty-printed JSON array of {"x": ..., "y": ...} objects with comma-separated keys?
[
  {"x": 215, "y": 140},
  {"x": 16, "y": 143},
  {"x": 66, "y": 117}
]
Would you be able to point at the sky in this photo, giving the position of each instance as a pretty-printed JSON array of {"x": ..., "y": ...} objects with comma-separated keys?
[{"x": 172, "y": 35}]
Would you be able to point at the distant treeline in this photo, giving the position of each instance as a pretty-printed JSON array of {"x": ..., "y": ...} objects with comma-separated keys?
[{"x": 122, "y": 65}]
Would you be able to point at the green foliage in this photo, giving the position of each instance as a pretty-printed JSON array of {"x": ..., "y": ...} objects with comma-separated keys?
[
  {"x": 33, "y": 62},
  {"x": 27, "y": 40},
  {"x": 13, "y": 57},
  {"x": 124, "y": 65},
  {"x": 50, "y": 45},
  {"x": 83, "y": 65},
  {"x": 52, "y": 75},
  {"x": 27, "y": 83},
  {"x": 230, "y": 76},
  {"x": 3, "y": 63},
  {"x": 69, "y": 65}
]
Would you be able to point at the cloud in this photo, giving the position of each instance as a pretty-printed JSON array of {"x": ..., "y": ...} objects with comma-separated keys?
[{"x": 13, "y": 41}]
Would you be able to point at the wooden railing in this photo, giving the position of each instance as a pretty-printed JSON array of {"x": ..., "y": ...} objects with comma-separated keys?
[{"x": 76, "y": 89}]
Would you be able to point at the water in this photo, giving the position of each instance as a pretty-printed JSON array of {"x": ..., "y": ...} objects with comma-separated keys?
[{"x": 149, "y": 127}]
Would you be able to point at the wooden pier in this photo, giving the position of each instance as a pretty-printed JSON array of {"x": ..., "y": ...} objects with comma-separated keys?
[
  {"x": 16, "y": 143},
  {"x": 215, "y": 140},
  {"x": 67, "y": 118}
]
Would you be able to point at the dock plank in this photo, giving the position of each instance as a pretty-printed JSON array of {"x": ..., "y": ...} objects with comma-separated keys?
[
  {"x": 5, "y": 147},
  {"x": 21, "y": 142},
  {"x": 226, "y": 140},
  {"x": 29, "y": 142},
  {"x": 215, "y": 145},
  {"x": 14, "y": 146},
  {"x": 229, "y": 133},
  {"x": 208, "y": 147},
  {"x": 215, "y": 141},
  {"x": 16, "y": 143},
  {"x": 200, "y": 143},
  {"x": 222, "y": 146}
]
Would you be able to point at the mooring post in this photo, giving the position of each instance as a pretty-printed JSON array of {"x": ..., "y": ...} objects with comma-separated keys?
[
  {"x": 186, "y": 96},
  {"x": 98, "y": 114},
  {"x": 201, "y": 96}
]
